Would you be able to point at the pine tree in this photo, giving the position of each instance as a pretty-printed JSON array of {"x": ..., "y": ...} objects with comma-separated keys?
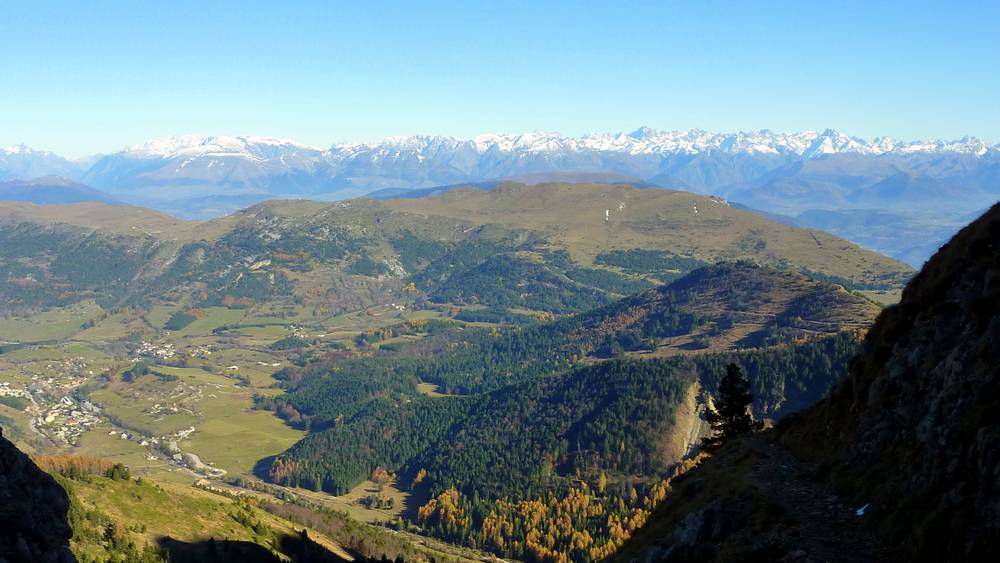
[{"x": 733, "y": 416}]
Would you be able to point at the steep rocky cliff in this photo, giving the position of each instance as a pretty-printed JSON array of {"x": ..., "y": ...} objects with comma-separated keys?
[
  {"x": 915, "y": 430},
  {"x": 900, "y": 462},
  {"x": 33, "y": 507}
]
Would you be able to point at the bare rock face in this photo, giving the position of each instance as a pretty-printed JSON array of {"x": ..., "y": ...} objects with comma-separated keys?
[
  {"x": 915, "y": 429},
  {"x": 33, "y": 511}
]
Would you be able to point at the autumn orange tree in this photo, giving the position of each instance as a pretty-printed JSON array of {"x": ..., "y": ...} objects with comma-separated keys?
[{"x": 380, "y": 476}]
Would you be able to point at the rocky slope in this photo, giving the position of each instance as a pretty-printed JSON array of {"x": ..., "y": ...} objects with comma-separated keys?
[
  {"x": 900, "y": 462},
  {"x": 915, "y": 430},
  {"x": 33, "y": 507}
]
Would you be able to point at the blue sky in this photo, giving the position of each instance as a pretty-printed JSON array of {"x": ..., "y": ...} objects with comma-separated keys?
[{"x": 80, "y": 77}]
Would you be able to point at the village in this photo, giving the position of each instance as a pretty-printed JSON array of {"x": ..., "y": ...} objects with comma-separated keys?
[{"x": 54, "y": 409}]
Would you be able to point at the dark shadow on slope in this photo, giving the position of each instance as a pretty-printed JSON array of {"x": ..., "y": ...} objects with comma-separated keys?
[
  {"x": 296, "y": 547},
  {"x": 33, "y": 511},
  {"x": 754, "y": 502},
  {"x": 216, "y": 550},
  {"x": 300, "y": 547},
  {"x": 263, "y": 466},
  {"x": 899, "y": 462},
  {"x": 752, "y": 340}
]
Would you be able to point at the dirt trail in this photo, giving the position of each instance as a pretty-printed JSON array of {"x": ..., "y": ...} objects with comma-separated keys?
[{"x": 828, "y": 529}]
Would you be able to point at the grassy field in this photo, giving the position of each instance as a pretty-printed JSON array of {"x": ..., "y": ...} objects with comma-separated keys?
[
  {"x": 131, "y": 403},
  {"x": 98, "y": 443},
  {"x": 236, "y": 440},
  {"x": 114, "y": 327},
  {"x": 214, "y": 318},
  {"x": 250, "y": 365},
  {"x": 228, "y": 434},
  {"x": 264, "y": 334},
  {"x": 351, "y": 505},
  {"x": 57, "y": 324},
  {"x": 884, "y": 298},
  {"x": 160, "y": 314},
  {"x": 432, "y": 390}
]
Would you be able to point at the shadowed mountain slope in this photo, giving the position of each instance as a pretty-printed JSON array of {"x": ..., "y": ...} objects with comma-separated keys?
[
  {"x": 899, "y": 462},
  {"x": 33, "y": 511},
  {"x": 915, "y": 429}
]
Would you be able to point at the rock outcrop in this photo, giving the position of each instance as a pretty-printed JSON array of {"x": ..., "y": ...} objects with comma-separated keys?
[
  {"x": 914, "y": 431},
  {"x": 33, "y": 511}
]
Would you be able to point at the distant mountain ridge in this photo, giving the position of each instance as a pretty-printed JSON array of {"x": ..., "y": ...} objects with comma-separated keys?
[
  {"x": 50, "y": 190},
  {"x": 425, "y": 161},
  {"x": 934, "y": 185},
  {"x": 549, "y": 247},
  {"x": 22, "y": 162},
  {"x": 277, "y": 166}
]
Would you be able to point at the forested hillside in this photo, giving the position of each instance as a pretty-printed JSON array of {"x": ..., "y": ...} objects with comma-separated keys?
[{"x": 532, "y": 413}]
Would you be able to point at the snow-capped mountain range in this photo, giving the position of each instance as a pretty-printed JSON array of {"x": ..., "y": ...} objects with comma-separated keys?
[
  {"x": 924, "y": 184},
  {"x": 247, "y": 163},
  {"x": 774, "y": 171},
  {"x": 643, "y": 141}
]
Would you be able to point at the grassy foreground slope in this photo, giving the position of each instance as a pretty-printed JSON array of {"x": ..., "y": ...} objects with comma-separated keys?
[{"x": 125, "y": 519}]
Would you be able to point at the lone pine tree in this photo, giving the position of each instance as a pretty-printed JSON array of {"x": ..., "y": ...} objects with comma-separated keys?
[{"x": 732, "y": 418}]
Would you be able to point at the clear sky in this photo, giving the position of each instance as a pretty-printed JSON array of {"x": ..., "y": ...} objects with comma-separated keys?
[{"x": 81, "y": 77}]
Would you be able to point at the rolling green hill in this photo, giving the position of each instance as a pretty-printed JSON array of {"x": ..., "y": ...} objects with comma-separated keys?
[
  {"x": 592, "y": 219},
  {"x": 552, "y": 243}
]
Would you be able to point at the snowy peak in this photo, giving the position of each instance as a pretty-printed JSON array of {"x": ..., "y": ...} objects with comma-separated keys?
[
  {"x": 834, "y": 142},
  {"x": 16, "y": 149},
  {"x": 649, "y": 141},
  {"x": 23, "y": 150},
  {"x": 187, "y": 146},
  {"x": 22, "y": 162},
  {"x": 642, "y": 141},
  {"x": 240, "y": 165}
]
